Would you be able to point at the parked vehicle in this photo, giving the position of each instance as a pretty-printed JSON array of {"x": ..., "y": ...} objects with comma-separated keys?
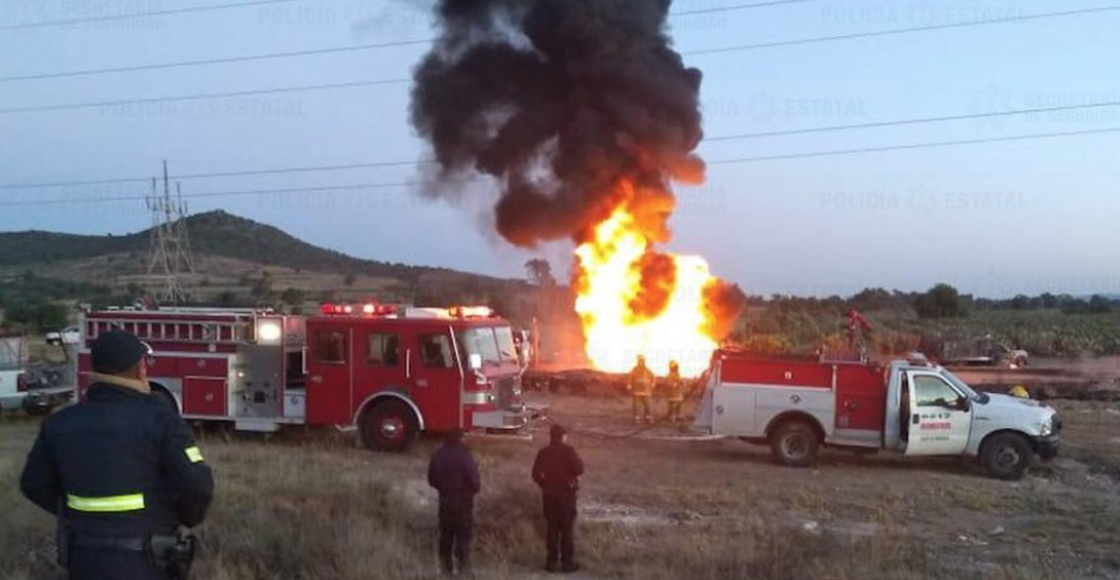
[
  {"x": 388, "y": 372},
  {"x": 908, "y": 406}
]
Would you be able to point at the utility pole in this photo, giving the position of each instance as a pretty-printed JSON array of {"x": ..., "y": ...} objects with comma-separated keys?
[{"x": 169, "y": 254}]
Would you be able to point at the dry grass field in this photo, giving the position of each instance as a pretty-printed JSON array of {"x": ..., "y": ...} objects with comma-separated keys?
[{"x": 313, "y": 506}]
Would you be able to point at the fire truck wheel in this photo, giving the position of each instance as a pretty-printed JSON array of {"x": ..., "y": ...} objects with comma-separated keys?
[
  {"x": 388, "y": 426},
  {"x": 1006, "y": 455},
  {"x": 794, "y": 443}
]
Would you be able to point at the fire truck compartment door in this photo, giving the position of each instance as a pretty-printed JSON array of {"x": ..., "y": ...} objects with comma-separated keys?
[
  {"x": 204, "y": 396},
  {"x": 330, "y": 374},
  {"x": 436, "y": 380},
  {"x": 733, "y": 411},
  {"x": 937, "y": 417}
]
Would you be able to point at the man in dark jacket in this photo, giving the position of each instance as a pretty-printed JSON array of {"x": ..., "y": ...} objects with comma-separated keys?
[
  {"x": 453, "y": 472},
  {"x": 122, "y": 473},
  {"x": 557, "y": 470}
]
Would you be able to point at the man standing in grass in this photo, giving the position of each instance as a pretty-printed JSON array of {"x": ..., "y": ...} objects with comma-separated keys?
[
  {"x": 122, "y": 473},
  {"x": 453, "y": 472},
  {"x": 557, "y": 470}
]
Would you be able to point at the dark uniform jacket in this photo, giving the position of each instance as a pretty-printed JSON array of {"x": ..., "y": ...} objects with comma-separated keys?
[
  {"x": 453, "y": 472},
  {"x": 120, "y": 464},
  {"x": 557, "y": 469}
]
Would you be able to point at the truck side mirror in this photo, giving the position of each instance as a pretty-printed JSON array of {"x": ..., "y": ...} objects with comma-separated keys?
[{"x": 475, "y": 361}]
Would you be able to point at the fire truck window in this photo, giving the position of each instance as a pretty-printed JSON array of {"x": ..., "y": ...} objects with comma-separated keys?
[
  {"x": 933, "y": 392},
  {"x": 330, "y": 347},
  {"x": 384, "y": 349},
  {"x": 435, "y": 351},
  {"x": 506, "y": 347}
]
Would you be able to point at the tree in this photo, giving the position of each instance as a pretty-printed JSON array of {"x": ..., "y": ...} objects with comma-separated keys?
[
  {"x": 539, "y": 272},
  {"x": 292, "y": 297},
  {"x": 941, "y": 301},
  {"x": 263, "y": 288},
  {"x": 349, "y": 279},
  {"x": 1049, "y": 301},
  {"x": 227, "y": 298},
  {"x": 1099, "y": 304}
]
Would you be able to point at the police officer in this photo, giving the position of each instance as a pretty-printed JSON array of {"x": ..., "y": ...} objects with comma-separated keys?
[
  {"x": 122, "y": 473},
  {"x": 641, "y": 389},
  {"x": 674, "y": 392},
  {"x": 556, "y": 471},
  {"x": 454, "y": 473}
]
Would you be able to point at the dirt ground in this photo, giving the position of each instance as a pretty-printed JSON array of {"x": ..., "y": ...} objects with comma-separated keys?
[{"x": 653, "y": 506}]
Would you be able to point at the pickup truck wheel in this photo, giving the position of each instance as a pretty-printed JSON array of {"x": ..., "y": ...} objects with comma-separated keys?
[
  {"x": 1006, "y": 456},
  {"x": 388, "y": 426},
  {"x": 794, "y": 444}
]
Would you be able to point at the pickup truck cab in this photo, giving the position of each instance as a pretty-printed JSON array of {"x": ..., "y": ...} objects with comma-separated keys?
[{"x": 907, "y": 406}]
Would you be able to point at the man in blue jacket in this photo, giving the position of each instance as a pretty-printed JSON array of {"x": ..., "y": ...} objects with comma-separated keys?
[
  {"x": 453, "y": 472},
  {"x": 556, "y": 470},
  {"x": 122, "y": 473}
]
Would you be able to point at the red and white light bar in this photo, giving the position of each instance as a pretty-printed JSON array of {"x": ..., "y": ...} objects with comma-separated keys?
[
  {"x": 471, "y": 312},
  {"x": 369, "y": 309}
]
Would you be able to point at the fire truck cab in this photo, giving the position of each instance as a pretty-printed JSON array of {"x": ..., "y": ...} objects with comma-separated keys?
[
  {"x": 907, "y": 406},
  {"x": 388, "y": 372}
]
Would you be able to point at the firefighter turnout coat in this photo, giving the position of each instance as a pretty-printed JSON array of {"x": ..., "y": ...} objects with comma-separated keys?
[{"x": 121, "y": 465}]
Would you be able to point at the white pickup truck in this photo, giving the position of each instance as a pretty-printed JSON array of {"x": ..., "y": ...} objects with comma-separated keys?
[
  {"x": 13, "y": 389},
  {"x": 907, "y": 406}
]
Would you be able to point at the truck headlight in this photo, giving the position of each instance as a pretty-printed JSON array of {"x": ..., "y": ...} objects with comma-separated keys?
[{"x": 1047, "y": 428}]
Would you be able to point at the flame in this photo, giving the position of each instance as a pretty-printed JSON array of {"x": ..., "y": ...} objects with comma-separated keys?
[{"x": 634, "y": 301}]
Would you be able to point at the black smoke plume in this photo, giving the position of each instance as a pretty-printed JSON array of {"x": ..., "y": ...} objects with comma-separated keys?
[{"x": 563, "y": 101}]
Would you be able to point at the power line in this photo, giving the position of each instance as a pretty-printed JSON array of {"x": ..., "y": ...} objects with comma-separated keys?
[
  {"x": 349, "y": 166},
  {"x": 375, "y": 46},
  {"x": 353, "y": 186},
  {"x": 175, "y": 11},
  {"x": 903, "y": 147},
  {"x": 733, "y": 7},
  {"x": 324, "y": 51},
  {"x": 213, "y": 61},
  {"x": 166, "y": 99},
  {"x": 786, "y": 156},
  {"x": 894, "y": 31},
  {"x": 917, "y": 121},
  {"x": 187, "y": 176},
  {"x": 149, "y": 14}
]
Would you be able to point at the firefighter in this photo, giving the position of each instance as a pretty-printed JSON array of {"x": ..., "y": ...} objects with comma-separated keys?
[
  {"x": 454, "y": 474},
  {"x": 674, "y": 392},
  {"x": 122, "y": 473},
  {"x": 556, "y": 471},
  {"x": 641, "y": 389}
]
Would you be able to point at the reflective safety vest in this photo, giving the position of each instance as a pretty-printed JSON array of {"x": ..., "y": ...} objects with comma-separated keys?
[
  {"x": 675, "y": 387},
  {"x": 119, "y": 452},
  {"x": 641, "y": 382}
]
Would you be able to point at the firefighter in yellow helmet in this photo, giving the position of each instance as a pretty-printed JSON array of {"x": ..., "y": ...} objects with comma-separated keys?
[
  {"x": 1019, "y": 391},
  {"x": 674, "y": 392},
  {"x": 641, "y": 389}
]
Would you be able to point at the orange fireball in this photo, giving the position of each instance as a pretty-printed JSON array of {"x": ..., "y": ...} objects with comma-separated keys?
[{"x": 633, "y": 300}]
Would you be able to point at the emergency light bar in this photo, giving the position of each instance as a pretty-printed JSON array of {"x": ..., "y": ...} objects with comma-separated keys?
[
  {"x": 369, "y": 309},
  {"x": 471, "y": 312}
]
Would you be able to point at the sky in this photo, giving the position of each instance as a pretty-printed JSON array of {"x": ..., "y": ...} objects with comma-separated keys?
[{"x": 993, "y": 219}]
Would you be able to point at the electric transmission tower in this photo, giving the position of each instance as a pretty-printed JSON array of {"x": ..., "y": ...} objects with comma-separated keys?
[{"x": 169, "y": 254}]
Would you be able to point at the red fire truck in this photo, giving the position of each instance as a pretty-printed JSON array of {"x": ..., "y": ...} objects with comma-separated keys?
[{"x": 390, "y": 372}]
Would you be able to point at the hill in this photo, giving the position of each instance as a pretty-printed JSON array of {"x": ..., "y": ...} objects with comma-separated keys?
[
  {"x": 237, "y": 261},
  {"x": 215, "y": 233}
]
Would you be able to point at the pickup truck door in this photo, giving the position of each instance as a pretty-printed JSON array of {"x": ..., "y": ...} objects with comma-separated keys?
[{"x": 938, "y": 417}]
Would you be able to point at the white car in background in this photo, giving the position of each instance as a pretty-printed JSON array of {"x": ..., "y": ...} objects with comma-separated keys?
[{"x": 69, "y": 335}]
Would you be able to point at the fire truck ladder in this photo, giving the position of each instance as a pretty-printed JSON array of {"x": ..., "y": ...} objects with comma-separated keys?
[{"x": 181, "y": 331}]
